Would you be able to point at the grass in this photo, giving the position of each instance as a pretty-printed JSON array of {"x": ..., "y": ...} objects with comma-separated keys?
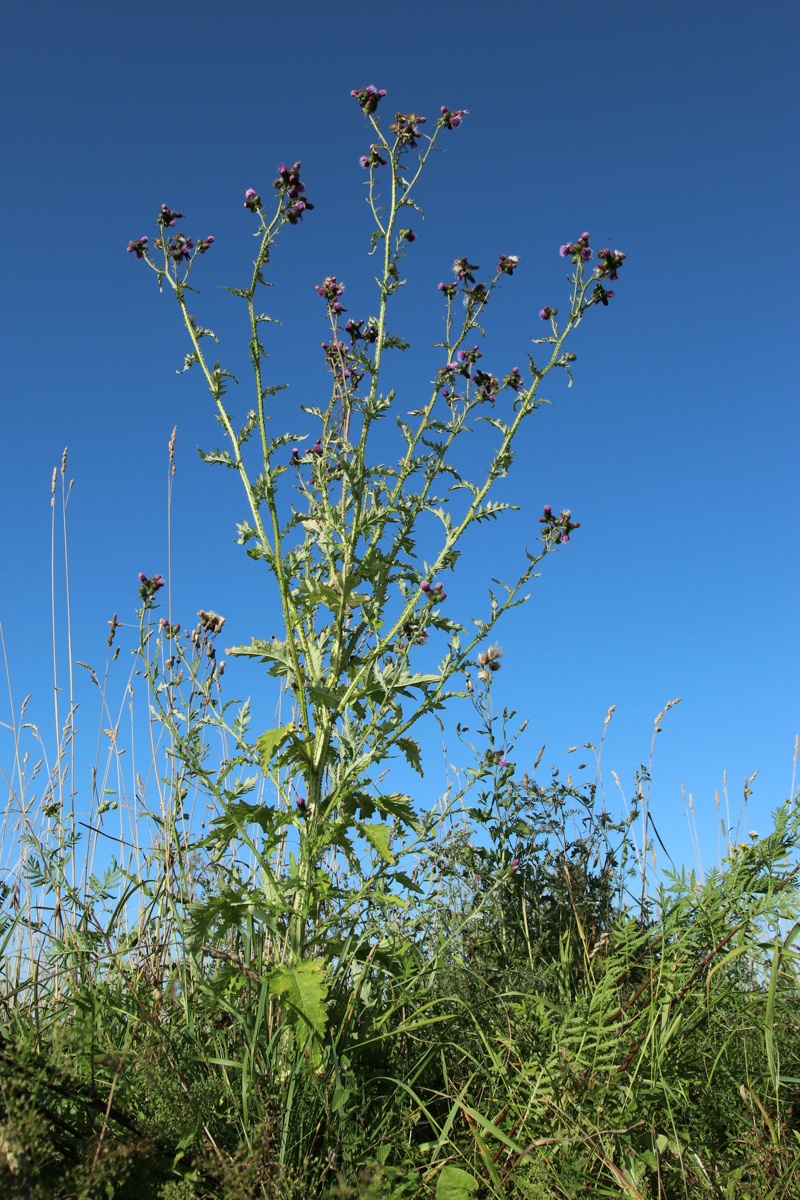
[{"x": 529, "y": 1017}]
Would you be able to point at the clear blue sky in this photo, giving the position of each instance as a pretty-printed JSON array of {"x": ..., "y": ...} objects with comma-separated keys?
[{"x": 666, "y": 130}]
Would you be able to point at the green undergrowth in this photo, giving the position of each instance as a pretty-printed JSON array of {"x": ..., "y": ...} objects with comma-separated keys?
[{"x": 508, "y": 1027}]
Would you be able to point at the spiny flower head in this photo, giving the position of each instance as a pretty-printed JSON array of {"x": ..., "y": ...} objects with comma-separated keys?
[
  {"x": 167, "y": 217},
  {"x": 369, "y": 97},
  {"x": 601, "y": 295},
  {"x": 180, "y": 247},
  {"x": 508, "y": 264},
  {"x": 514, "y": 380},
  {"x": 452, "y": 120},
  {"x": 149, "y": 585},
  {"x": 373, "y": 159},
  {"x": 464, "y": 269},
  {"x": 138, "y": 247},
  {"x": 578, "y": 251},
  {"x": 558, "y": 528},
  {"x": 330, "y": 290},
  {"x": 610, "y": 262},
  {"x": 406, "y": 128},
  {"x": 252, "y": 200}
]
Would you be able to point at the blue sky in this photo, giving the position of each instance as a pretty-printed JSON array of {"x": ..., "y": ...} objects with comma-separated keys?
[{"x": 668, "y": 131}]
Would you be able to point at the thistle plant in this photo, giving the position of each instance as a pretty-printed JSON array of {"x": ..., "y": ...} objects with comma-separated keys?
[{"x": 338, "y": 528}]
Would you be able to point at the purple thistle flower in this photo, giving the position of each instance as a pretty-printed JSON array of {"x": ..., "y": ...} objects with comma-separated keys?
[
  {"x": 167, "y": 216},
  {"x": 180, "y": 247},
  {"x": 610, "y": 262},
  {"x": 452, "y": 120},
  {"x": 204, "y": 244},
  {"x": 316, "y": 448},
  {"x": 138, "y": 247},
  {"x": 373, "y": 159},
  {"x": 252, "y": 200},
  {"x": 508, "y": 263},
  {"x": 330, "y": 289},
  {"x": 514, "y": 380},
  {"x": 424, "y": 586},
  {"x": 368, "y": 97},
  {"x": 548, "y": 313}
]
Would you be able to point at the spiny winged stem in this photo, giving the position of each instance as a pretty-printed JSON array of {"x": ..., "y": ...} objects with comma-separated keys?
[{"x": 347, "y": 652}]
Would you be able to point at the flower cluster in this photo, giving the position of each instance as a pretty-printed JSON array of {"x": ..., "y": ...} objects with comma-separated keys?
[
  {"x": 373, "y": 159},
  {"x": 179, "y": 248},
  {"x": 368, "y": 97},
  {"x": 488, "y": 386},
  {"x": 167, "y": 217},
  {"x": 474, "y": 293},
  {"x": 610, "y": 262},
  {"x": 354, "y": 328},
  {"x": 335, "y": 356},
  {"x": 330, "y": 291},
  {"x": 413, "y": 635},
  {"x": 463, "y": 362},
  {"x": 464, "y": 269},
  {"x": 204, "y": 244},
  {"x": 292, "y": 190},
  {"x": 406, "y": 128},
  {"x": 434, "y": 592},
  {"x": 297, "y": 457},
  {"x": 170, "y": 631},
  {"x": 211, "y": 622},
  {"x": 452, "y": 120},
  {"x": 601, "y": 295},
  {"x": 149, "y": 585},
  {"x": 489, "y": 662},
  {"x": 508, "y": 264},
  {"x": 252, "y": 200},
  {"x": 514, "y": 380},
  {"x": 578, "y": 251},
  {"x": 138, "y": 247},
  {"x": 558, "y": 528}
]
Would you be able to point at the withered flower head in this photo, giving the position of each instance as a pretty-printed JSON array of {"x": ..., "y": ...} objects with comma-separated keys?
[{"x": 211, "y": 621}]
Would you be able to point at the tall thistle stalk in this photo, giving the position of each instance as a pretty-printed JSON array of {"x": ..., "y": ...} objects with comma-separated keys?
[{"x": 355, "y": 598}]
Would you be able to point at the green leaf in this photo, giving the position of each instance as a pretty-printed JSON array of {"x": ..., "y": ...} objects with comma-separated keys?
[
  {"x": 270, "y": 742},
  {"x": 378, "y": 837},
  {"x": 412, "y": 753},
  {"x": 455, "y": 1184},
  {"x": 302, "y": 990}
]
